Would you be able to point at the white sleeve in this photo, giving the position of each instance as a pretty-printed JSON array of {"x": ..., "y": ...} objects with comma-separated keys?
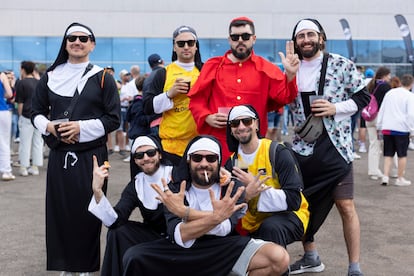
[
  {"x": 223, "y": 229},
  {"x": 40, "y": 123},
  {"x": 272, "y": 200},
  {"x": 162, "y": 103},
  {"x": 345, "y": 109},
  {"x": 90, "y": 130},
  {"x": 103, "y": 210},
  {"x": 178, "y": 239}
]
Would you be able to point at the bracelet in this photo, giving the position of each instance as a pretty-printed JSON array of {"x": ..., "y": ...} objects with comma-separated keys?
[
  {"x": 166, "y": 93},
  {"x": 187, "y": 214}
]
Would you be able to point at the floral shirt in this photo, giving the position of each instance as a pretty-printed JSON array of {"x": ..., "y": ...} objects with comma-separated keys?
[{"x": 341, "y": 82}]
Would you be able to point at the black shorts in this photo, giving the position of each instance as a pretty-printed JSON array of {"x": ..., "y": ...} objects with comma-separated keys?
[{"x": 396, "y": 144}]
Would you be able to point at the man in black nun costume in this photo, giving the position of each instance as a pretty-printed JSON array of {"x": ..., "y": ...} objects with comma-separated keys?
[
  {"x": 75, "y": 106},
  {"x": 123, "y": 233},
  {"x": 201, "y": 215}
]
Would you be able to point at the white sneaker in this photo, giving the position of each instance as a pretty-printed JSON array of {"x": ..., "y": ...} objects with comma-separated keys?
[
  {"x": 357, "y": 156},
  {"x": 374, "y": 177},
  {"x": 402, "y": 182},
  {"x": 8, "y": 176},
  {"x": 362, "y": 147},
  {"x": 116, "y": 148},
  {"x": 127, "y": 148},
  {"x": 33, "y": 170},
  {"x": 127, "y": 159},
  {"x": 385, "y": 180},
  {"x": 23, "y": 171},
  {"x": 411, "y": 145}
]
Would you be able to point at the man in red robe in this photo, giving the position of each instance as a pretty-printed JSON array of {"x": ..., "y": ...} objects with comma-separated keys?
[{"x": 241, "y": 77}]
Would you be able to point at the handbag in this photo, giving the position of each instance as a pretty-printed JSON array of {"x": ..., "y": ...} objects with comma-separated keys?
[
  {"x": 312, "y": 127},
  {"x": 370, "y": 112}
]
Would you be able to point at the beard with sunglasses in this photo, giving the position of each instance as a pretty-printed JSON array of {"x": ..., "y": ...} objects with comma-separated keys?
[
  {"x": 241, "y": 77},
  {"x": 166, "y": 94},
  {"x": 85, "y": 100},
  {"x": 277, "y": 210},
  {"x": 122, "y": 232},
  {"x": 201, "y": 218}
]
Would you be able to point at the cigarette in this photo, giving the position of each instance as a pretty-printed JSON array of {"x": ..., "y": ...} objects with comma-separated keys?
[
  {"x": 106, "y": 164},
  {"x": 205, "y": 175}
]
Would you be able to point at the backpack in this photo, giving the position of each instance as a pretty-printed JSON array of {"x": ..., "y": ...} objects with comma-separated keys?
[{"x": 370, "y": 112}]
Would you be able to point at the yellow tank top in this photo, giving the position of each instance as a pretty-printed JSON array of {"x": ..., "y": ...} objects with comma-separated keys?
[
  {"x": 178, "y": 127},
  {"x": 253, "y": 218}
]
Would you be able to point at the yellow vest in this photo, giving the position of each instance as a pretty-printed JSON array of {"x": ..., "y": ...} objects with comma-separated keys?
[
  {"x": 177, "y": 126},
  {"x": 253, "y": 218}
]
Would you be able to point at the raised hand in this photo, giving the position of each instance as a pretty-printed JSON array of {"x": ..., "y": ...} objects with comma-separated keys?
[
  {"x": 173, "y": 201},
  {"x": 225, "y": 207},
  {"x": 290, "y": 61},
  {"x": 100, "y": 173}
]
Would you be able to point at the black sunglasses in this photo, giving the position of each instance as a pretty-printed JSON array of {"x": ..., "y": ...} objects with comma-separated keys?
[
  {"x": 236, "y": 122},
  {"x": 149, "y": 153},
  {"x": 211, "y": 158},
  {"x": 181, "y": 43},
  {"x": 82, "y": 38},
  {"x": 244, "y": 36}
]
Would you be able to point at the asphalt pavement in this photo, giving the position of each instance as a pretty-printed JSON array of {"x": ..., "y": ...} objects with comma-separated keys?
[{"x": 385, "y": 212}]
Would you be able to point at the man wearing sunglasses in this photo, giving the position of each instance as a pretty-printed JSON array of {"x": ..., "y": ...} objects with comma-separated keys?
[
  {"x": 167, "y": 93},
  {"x": 201, "y": 216},
  {"x": 277, "y": 210},
  {"x": 123, "y": 233},
  {"x": 241, "y": 77},
  {"x": 85, "y": 101},
  {"x": 326, "y": 163}
]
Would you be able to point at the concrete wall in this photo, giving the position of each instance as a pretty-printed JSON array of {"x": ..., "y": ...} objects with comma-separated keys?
[{"x": 158, "y": 18}]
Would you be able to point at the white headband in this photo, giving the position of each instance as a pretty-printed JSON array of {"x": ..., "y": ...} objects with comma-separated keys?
[
  {"x": 78, "y": 28},
  {"x": 204, "y": 144},
  {"x": 241, "y": 110},
  {"x": 142, "y": 141},
  {"x": 306, "y": 25}
]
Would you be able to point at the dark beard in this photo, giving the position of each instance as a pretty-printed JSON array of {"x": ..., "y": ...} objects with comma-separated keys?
[
  {"x": 309, "y": 54},
  {"x": 241, "y": 55},
  {"x": 202, "y": 180}
]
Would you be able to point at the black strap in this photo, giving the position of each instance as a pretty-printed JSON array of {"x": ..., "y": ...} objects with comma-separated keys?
[
  {"x": 323, "y": 73},
  {"x": 68, "y": 112}
]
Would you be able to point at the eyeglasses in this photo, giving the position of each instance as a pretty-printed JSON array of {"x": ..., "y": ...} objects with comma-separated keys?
[
  {"x": 149, "y": 153},
  {"x": 211, "y": 158},
  {"x": 82, "y": 38},
  {"x": 181, "y": 43},
  {"x": 244, "y": 36},
  {"x": 310, "y": 35},
  {"x": 236, "y": 122}
]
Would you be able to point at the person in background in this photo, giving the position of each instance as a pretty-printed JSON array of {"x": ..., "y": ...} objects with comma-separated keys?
[
  {"x": 5, "y": 126},
  {"x": 273, "y": 128},
  {"x": 395, "y": 121},
  {"x": 201, "y": 217},
  {"x": 120, "y": 133},
  {"x": 128, "y": 92},
  {"x": 167, "y": 93},
  {"x": 326, "y": 163},
  {"x": 156, "y": 63},
  {"x": 241, "y": 77},
  {"x": 75, "y": 106},
  {"x": 31, "y": 142},
  {"x": 379, "y": 85},
  {"x": 362, "y": 134},
  {"x": 123, "y": 233},
  {"x": 13, "y": 109}
]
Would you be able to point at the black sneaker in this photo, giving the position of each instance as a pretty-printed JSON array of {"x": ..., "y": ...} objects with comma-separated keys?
[{"x": 305, "y": 265}]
